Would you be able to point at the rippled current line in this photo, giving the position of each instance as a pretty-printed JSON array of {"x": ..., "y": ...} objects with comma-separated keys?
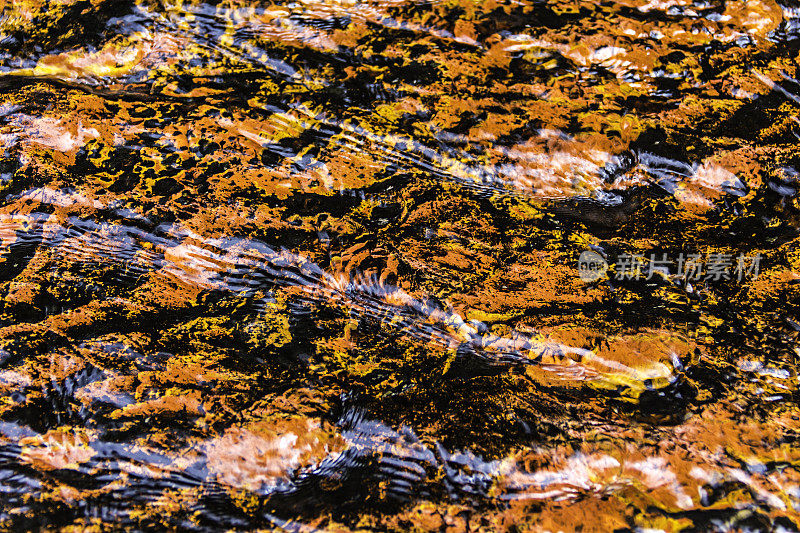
[
  {"x": 375, "y": 454},
  {"x": 242, "y": 267}
]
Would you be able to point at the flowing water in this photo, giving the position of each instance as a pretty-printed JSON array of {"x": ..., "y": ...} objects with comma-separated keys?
[{"x": 452, "y": 265}]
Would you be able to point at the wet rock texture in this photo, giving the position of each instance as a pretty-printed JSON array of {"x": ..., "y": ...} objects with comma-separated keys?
[{"x": 314, "y": 266}]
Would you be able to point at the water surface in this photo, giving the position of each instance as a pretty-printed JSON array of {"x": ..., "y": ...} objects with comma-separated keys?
[{"x": 315, "y": 265}]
